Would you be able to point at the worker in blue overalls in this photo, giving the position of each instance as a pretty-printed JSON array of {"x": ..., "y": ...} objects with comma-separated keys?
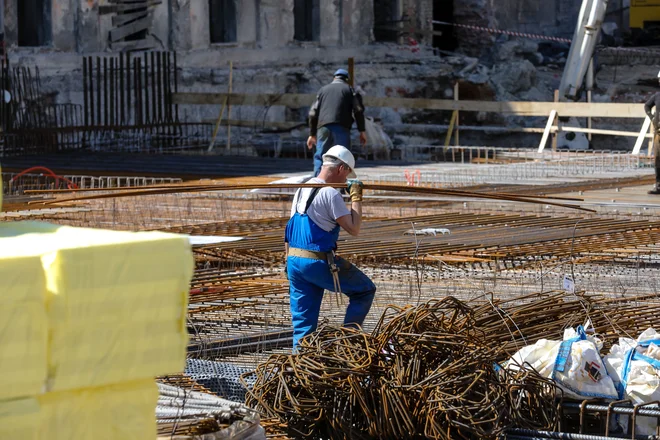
[{"x": 311, "y": 240}]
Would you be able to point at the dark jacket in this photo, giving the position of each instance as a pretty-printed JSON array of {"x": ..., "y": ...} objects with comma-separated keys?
[
  {"x": 653, "y": 102},
  {"x": 336, "y": 103}
]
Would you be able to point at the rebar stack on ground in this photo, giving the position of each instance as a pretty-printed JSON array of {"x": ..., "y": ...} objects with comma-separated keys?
[
  {"x": 180, "y": 410},
  {"x": 424, "y": 372},
  {"x": 432, "y": 371}
]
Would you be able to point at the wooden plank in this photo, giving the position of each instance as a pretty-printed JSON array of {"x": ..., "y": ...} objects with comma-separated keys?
[
  {"x": 458, "y": 117},
  {"x": 520, "y": 108},
  {"x": 555, "y": 122},
  {"x": 546, "y": 132},
  {"x": 122, "y": 19},
  {"x": 290, "y": 125},
  {"x": 642, "y": 134},
  {"x": 450, "y": 130},
  {"x": 231, "y": 89},
  {"x": 136, "y": 26},
  {"x": 599, "y": 131}
]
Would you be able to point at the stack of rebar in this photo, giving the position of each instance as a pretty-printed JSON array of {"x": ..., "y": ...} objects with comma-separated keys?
[
  {"x": 426, "y": 372},
  {"x": 434, "y": 370}
]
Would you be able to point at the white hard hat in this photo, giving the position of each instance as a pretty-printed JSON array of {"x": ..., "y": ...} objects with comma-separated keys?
[{"x": 342, "y": 153}]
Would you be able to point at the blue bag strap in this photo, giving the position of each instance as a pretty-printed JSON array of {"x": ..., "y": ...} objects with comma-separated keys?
[
  {"x": 565, "y": 350},
  {"x": 634, "y": 355}
]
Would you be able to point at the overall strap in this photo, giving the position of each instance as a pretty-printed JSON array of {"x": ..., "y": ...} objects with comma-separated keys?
[{"x": 311, "y": 198}]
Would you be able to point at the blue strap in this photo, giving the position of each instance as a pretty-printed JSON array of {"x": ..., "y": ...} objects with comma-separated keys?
[
  {"x": 565, "y": 350},
  {"x": 562, "y": 359},
  {"x": 625, "y": 369},
  {"x": 634, "y": 355},
  {"x": 649, "y": 342}
]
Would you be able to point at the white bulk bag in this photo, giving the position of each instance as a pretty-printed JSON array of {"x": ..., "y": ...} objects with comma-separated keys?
[{"x": 574, "y": 364}]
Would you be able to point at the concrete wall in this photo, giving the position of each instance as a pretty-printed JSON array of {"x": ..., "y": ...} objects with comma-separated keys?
[
  {"x": 419, "y": 14},
  {"x": 276, "y": 23},
  {"x": 88, "y": 27},
  {"x": 330, "y": 32},
  {"x": 550, "y": 17},
  {"x": 64, "y": 14},
  {"x": 183, "y": 25},
  {"x": 357, "y": 22}
]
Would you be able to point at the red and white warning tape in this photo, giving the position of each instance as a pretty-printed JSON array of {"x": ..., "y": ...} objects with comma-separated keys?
[
  {"x": 500, "y": 31},
  {"x": 649, "y": 52}
]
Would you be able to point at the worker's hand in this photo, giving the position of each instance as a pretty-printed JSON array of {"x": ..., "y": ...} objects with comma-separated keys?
[
  {"x": 355, "y": 188},
  {"x": 363, "y": 138},
  {"x": 311, "y": 142}
]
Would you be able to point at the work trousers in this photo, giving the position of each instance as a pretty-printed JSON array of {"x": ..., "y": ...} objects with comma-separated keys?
[
  {"x": 309, "y": 278},
  {"x": 327, "y": 137}
]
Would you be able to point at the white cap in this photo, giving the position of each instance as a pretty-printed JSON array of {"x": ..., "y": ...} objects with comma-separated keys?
[{"x": 343, "y": 154}]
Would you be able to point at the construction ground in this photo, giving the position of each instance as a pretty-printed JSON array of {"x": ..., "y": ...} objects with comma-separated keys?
[
  {"x": 495, "y": 250},
  {"x": 497, "y": 216}
]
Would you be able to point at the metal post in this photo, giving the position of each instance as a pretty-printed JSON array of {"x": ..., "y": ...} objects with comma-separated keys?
[
  {"x": 231, "y": 76},
  {"x": 456, "y": 141},
  {"x": 351, "y": 72},
  {"x": 590, "y": 87}
]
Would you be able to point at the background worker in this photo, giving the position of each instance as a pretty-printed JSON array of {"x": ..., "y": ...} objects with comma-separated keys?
[
  {"x": 311, "y": 239},
  {"x": 648, "y": 107},
  {"x": 331, "y": 117}
]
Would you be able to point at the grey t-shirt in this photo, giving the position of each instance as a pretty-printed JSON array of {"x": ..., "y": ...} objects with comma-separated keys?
[{"x": 326, "y": 208}]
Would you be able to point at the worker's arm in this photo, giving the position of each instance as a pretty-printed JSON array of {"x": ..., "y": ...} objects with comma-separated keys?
[
  {"x": 313, "y": 122},
  {"x": 648, "y": 107},
  {"x": 351, "y": 223},
  {"x": 358, "y": 113}
]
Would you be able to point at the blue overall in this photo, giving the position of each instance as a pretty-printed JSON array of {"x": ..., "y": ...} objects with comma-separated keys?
[
  {"x": 327, "y": 137},
  {"x": 308, "y": 278}
]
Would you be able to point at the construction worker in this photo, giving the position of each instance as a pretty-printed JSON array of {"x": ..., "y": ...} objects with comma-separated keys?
[
  {"x": 311, "y": 240},
  {"x": 648, "y": 107},
  {"x": 331, "y": 117}
]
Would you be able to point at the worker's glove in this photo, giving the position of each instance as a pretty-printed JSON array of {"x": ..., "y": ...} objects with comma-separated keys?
[{"x": 355, "y": 188}]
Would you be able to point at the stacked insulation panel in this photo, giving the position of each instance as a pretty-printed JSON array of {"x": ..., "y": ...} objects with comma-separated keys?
[{"x": 88, "y": 318}]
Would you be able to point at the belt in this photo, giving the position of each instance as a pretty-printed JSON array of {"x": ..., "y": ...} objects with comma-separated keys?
[
  {"x": 304, "y": 253},
  {"x": 328, "y": 257}
]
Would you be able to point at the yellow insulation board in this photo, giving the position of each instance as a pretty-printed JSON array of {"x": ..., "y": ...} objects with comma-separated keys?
[
  {"x": 116, "y": 301},
  {"x": 20, "y": 419},
  {"x": 23, "y": 327},
  {"x": 117, "y": 412}
]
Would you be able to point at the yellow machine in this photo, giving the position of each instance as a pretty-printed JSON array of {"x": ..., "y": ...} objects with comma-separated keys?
[{"x": 644, "y": 13}]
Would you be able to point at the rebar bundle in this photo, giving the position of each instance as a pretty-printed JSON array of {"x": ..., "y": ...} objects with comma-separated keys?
[
  {"x": 434, "y": 370},
  {"x": 424, "y": 372}
]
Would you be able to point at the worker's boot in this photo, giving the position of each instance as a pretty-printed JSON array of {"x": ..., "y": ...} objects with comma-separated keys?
[{"x": 655, "y": 190}]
